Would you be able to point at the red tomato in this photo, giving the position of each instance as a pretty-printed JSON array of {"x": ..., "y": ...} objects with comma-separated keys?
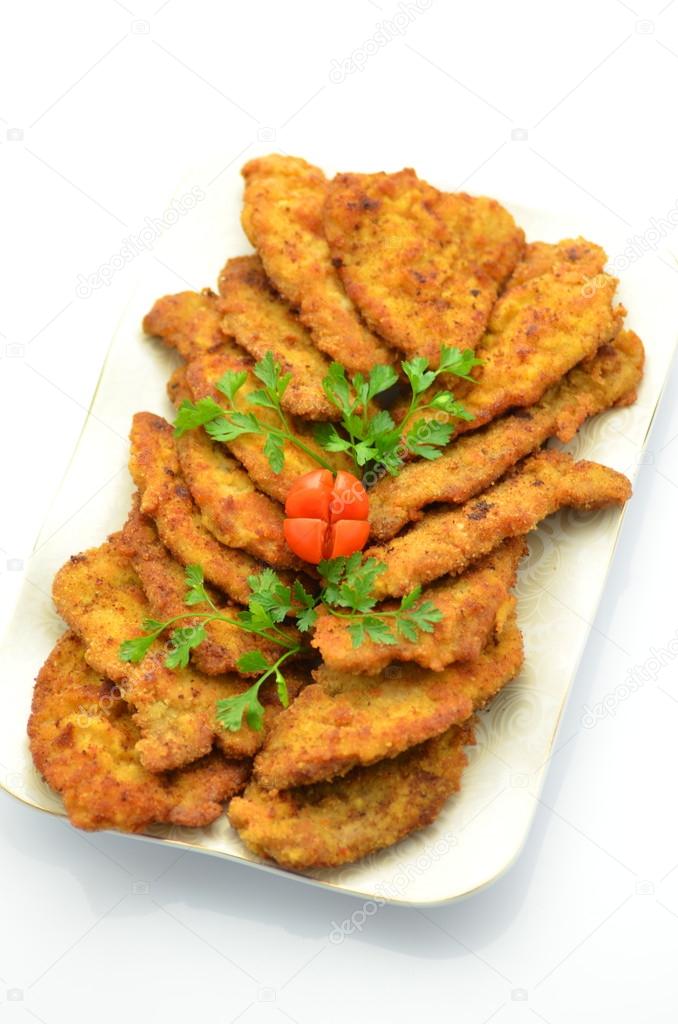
[
  {"x": 327, "y": 517},
  {"x": 346, "y": 536},
  {"x": 306, "y": 537},
  {"x": 349, "y": 498},
  {"x": 310, "y": 495}
]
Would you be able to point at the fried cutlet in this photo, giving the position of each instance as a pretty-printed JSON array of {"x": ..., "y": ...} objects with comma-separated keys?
[
  {"x": 470, "y": 464},
  {"x": 261, "y": 321},
  {"x": 231, "y": 507},
  {"x": 329, "y": 824},
  {"x": 162, "y": 579},
  {"x": 100, "y": 597},
  {"x": 422, "y": 266},
  {"x": 449, "y": 539},
  {"x": 202, "y": 375},
  {"x": 283, "y": 219},
  {"x": 166, "y": 498},
  {"x": 344, "y": 720},
  {"x": 83, "y": 740},
  {"x": 189, "y": 322},
  {"x": 472, "y": 606}
]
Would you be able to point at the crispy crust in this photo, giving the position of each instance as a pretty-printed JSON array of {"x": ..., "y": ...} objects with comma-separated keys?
[
  {"x": 470, "y": 604},
  {"x": 100, "y": 597},
  {"x": 166, "y": 498},
  {"x": 163, "y": 582},
  {"x": 329, "y": 824},
  {"x": 232, "y": 509},
  {"x": 548, "y": 319},
  {"x": 422, "y": 266},
  {"x": 346, "y": 720},
  {"x": 261, "y": 321},
  {"x": 283, "y": 218},
  {"x": 472, "y": 463},
  {"x": 447, "y": 540},
  {"x": 83, "y": 740},
  {"x": 189, "y": 322},
  {"x": 202, "y": 375}
]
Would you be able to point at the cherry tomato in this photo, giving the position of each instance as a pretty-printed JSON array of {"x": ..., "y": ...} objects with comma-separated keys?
[
  {"x": 306, "y": 537},
  {"x": 349, "y": 498},
  {"x": 310, "y": 495},
  {"x": 326, "y": 517},
  {"x": 346, "y": 536}
]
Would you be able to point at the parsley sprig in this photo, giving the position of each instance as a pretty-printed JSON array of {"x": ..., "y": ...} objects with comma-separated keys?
[
  {"x": 369, "y": 437},
  {"x": 226, "y": 421},
  {"x": 377, "y": 438},
  {"x": 269, "y": 604},
  {"x": 349, "y": 583},
  {"x": 347, "y": 593}
]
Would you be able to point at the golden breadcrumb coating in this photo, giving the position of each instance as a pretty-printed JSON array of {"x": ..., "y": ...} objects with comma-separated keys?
[
  {"x": 189, "y": 322},
  {"x": 422, "y": 266},
  {"x": 283, "y": 219},
  {"x": 166, "y": 498},
  {"x": 344, "y": 720},
  {"x": 100, "y": 597},
  {"x": 470, "y": 605},
  {"x": 162, "y": 579},
  {"x": 202, "y": 375},
  {"x": 231, "y": 507},
  {"x": 333, "y": 823},
  {"x": 448, "y": 540},
  {"x": 541, "y": 326},
  {"x": 83, "y": 741},
  {"x": 473, "y": 462},
  {"x": 261, "y": 321}
]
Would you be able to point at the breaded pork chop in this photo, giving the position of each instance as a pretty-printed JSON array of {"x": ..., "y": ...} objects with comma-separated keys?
[
  {"x": 344, "y": 720},
  {"x": 189, "y": 322},
  {"x": 473, "y": 462},
  {"x": 100, "y": 597},
  {"x": 472, "y": 606},
  {"x": 83, "y": 741},
  {"x": 333, "y": 823},
  {"x": 548, "y": 319},
  {"x": 166, "y": 498},
  {"x": 448, "y": 540},
  {"x": 202, "y": 375},
  {"x": 283, "y": 219},
  {"x": 231, "y": 507},
  {"x": 578, "y": 254},
  {"x": 422, "y": 266},
  {"x": 162, "y": 579},
  {"x": 261, "y": 321}
]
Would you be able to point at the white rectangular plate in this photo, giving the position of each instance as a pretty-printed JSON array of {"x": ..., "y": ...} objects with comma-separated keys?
[{"x": 483, "y": 828}]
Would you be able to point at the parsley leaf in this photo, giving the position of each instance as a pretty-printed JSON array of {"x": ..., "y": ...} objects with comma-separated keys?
[
  {"x": 452, "y": 360},
  {"x": 232, "y": 710},
  {"x": 134, "y": 650},
  {"x": 374, "y": 437},
  {"x": 231, "y": 382},
  {"x": 196, "y": 414},
  {"x": 182, "y": 641},
  {"x": 195, "y": 586},
  {"x": 274, "y": 450},
  {"x": 307, "y": 615},
  {"x": 252, "y": 661}
]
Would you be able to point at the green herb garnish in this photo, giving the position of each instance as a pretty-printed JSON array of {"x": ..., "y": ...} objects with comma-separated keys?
[{"x": 347, "y": 593}]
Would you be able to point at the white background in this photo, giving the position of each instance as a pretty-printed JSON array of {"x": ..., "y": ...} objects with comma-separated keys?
[{"x": 105, "y": 106}]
